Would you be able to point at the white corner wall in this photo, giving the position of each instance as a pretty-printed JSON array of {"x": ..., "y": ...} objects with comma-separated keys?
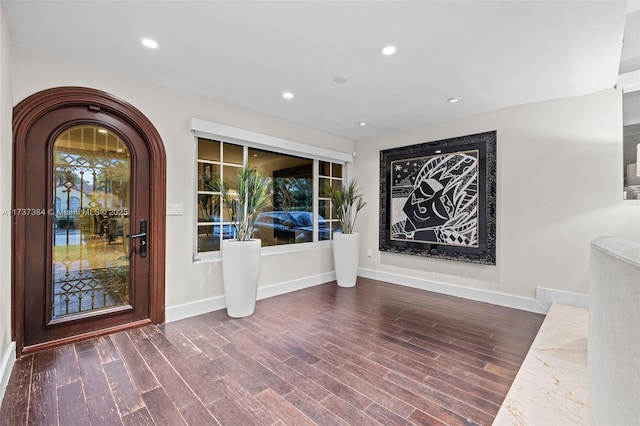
[
  {"x": 613, "y": 336},
  {"x": 559, "y": 186},
  {"x": 7, "y": 348},
  {"x": 191, "y": 288}
]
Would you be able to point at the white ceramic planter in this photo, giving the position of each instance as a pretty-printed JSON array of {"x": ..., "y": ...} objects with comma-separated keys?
[
  {"x": 346, "y": 254},
  {"x": 240, "y": 271}
]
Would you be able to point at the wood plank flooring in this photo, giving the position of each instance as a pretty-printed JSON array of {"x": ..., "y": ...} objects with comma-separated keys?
[{"x": 373, "y": 354}]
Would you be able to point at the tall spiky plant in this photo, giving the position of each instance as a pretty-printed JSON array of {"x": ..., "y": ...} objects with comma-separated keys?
[
  {"x": 251, "y": 194},
  {"x": 347, "y": 201}
]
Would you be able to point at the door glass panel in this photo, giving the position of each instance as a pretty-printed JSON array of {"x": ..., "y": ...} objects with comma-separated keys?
[{"x": 91, "y": 195}]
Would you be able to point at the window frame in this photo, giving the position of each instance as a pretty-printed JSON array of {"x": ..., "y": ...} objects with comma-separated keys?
[
  {"x": 222, "y": 165},
  {"x": 248, "y": 139}
]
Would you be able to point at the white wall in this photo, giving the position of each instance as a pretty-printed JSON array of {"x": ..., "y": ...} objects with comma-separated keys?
[
  {"x": 6, "y": 347},
  {"x": 559, "y": 186},
  {"x": 189, "y": 285}
]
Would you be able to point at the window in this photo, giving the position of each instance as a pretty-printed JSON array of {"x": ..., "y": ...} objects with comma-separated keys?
[
  {"x": 330, "y": 175},
  {"x": 290, "y": 220},
  {"x": 631, "y": 145},
  {"x": 215, "y": 161}
]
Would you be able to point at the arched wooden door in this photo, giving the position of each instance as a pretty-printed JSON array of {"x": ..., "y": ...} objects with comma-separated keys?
[{"x": 88, "y": 218}]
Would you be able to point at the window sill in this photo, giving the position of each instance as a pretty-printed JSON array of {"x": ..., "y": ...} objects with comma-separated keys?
[{"x": 268, "y": 251}]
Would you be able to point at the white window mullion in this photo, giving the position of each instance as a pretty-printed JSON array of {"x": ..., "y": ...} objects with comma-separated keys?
[
  {"x": 195, "y": 204},
  {"x": 315, "y": 204}
]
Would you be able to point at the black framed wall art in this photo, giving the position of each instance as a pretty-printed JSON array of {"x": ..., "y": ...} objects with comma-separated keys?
[{"x": 438, "y": 199}]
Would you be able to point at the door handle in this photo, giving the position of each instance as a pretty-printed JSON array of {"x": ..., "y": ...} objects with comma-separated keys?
[{"x": 142, "y": 235}]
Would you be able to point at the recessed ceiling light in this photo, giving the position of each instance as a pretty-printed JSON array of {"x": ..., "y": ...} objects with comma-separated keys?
[
  {"x": 151, "y": 44},
  {"x": 389, "y": 50},
  {"x": 453, "y": 100},
  {"x": 362, "y": 123},
  {"x": 102, "y": 131},
  {"x": 287, "y": 95}
]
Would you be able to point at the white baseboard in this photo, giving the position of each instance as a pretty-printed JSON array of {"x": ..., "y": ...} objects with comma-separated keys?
[
  {"x": 495, "y": 298},
  {"x": 175, "y": 313},
  {"x": 547, "y": 296},
  {"x": 541, "y": 304},
  {"x": 8, "y": 360},
  {"x": 289, "y": 286},
  {"x": 178, "y": 312}
]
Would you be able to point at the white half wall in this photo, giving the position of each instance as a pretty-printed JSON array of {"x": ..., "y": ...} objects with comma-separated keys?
[{"x": 559, "y": 186}]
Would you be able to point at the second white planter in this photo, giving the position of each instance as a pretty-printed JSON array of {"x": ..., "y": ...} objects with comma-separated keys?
[
  {"x": 240, "y": 272},
  {"x": 346, "y": 254}
]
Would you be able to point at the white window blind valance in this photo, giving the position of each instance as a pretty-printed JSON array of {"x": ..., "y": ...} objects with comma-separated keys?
[{"x": 210, "y": 130}]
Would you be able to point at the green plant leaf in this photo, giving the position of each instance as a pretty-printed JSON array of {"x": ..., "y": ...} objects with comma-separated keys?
[
  {"x": 250, "y": 194},
  {"x": 347, "y": 202}
]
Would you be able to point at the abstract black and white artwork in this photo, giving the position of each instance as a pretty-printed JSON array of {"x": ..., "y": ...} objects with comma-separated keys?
[{"x": 437, "y": 199}]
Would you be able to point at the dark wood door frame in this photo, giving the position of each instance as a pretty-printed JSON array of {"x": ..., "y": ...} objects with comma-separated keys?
[{"x": 25, "y": 114}]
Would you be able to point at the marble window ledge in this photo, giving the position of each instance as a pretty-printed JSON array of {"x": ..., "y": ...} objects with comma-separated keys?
[{"x": 551, "y": 386}]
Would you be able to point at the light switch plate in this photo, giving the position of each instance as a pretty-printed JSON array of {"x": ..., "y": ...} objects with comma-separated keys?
[{"x": 174, "y": 209}]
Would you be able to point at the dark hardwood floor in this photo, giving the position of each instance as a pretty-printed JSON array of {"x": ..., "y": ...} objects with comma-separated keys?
[{"x": 374, "y": 354}]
